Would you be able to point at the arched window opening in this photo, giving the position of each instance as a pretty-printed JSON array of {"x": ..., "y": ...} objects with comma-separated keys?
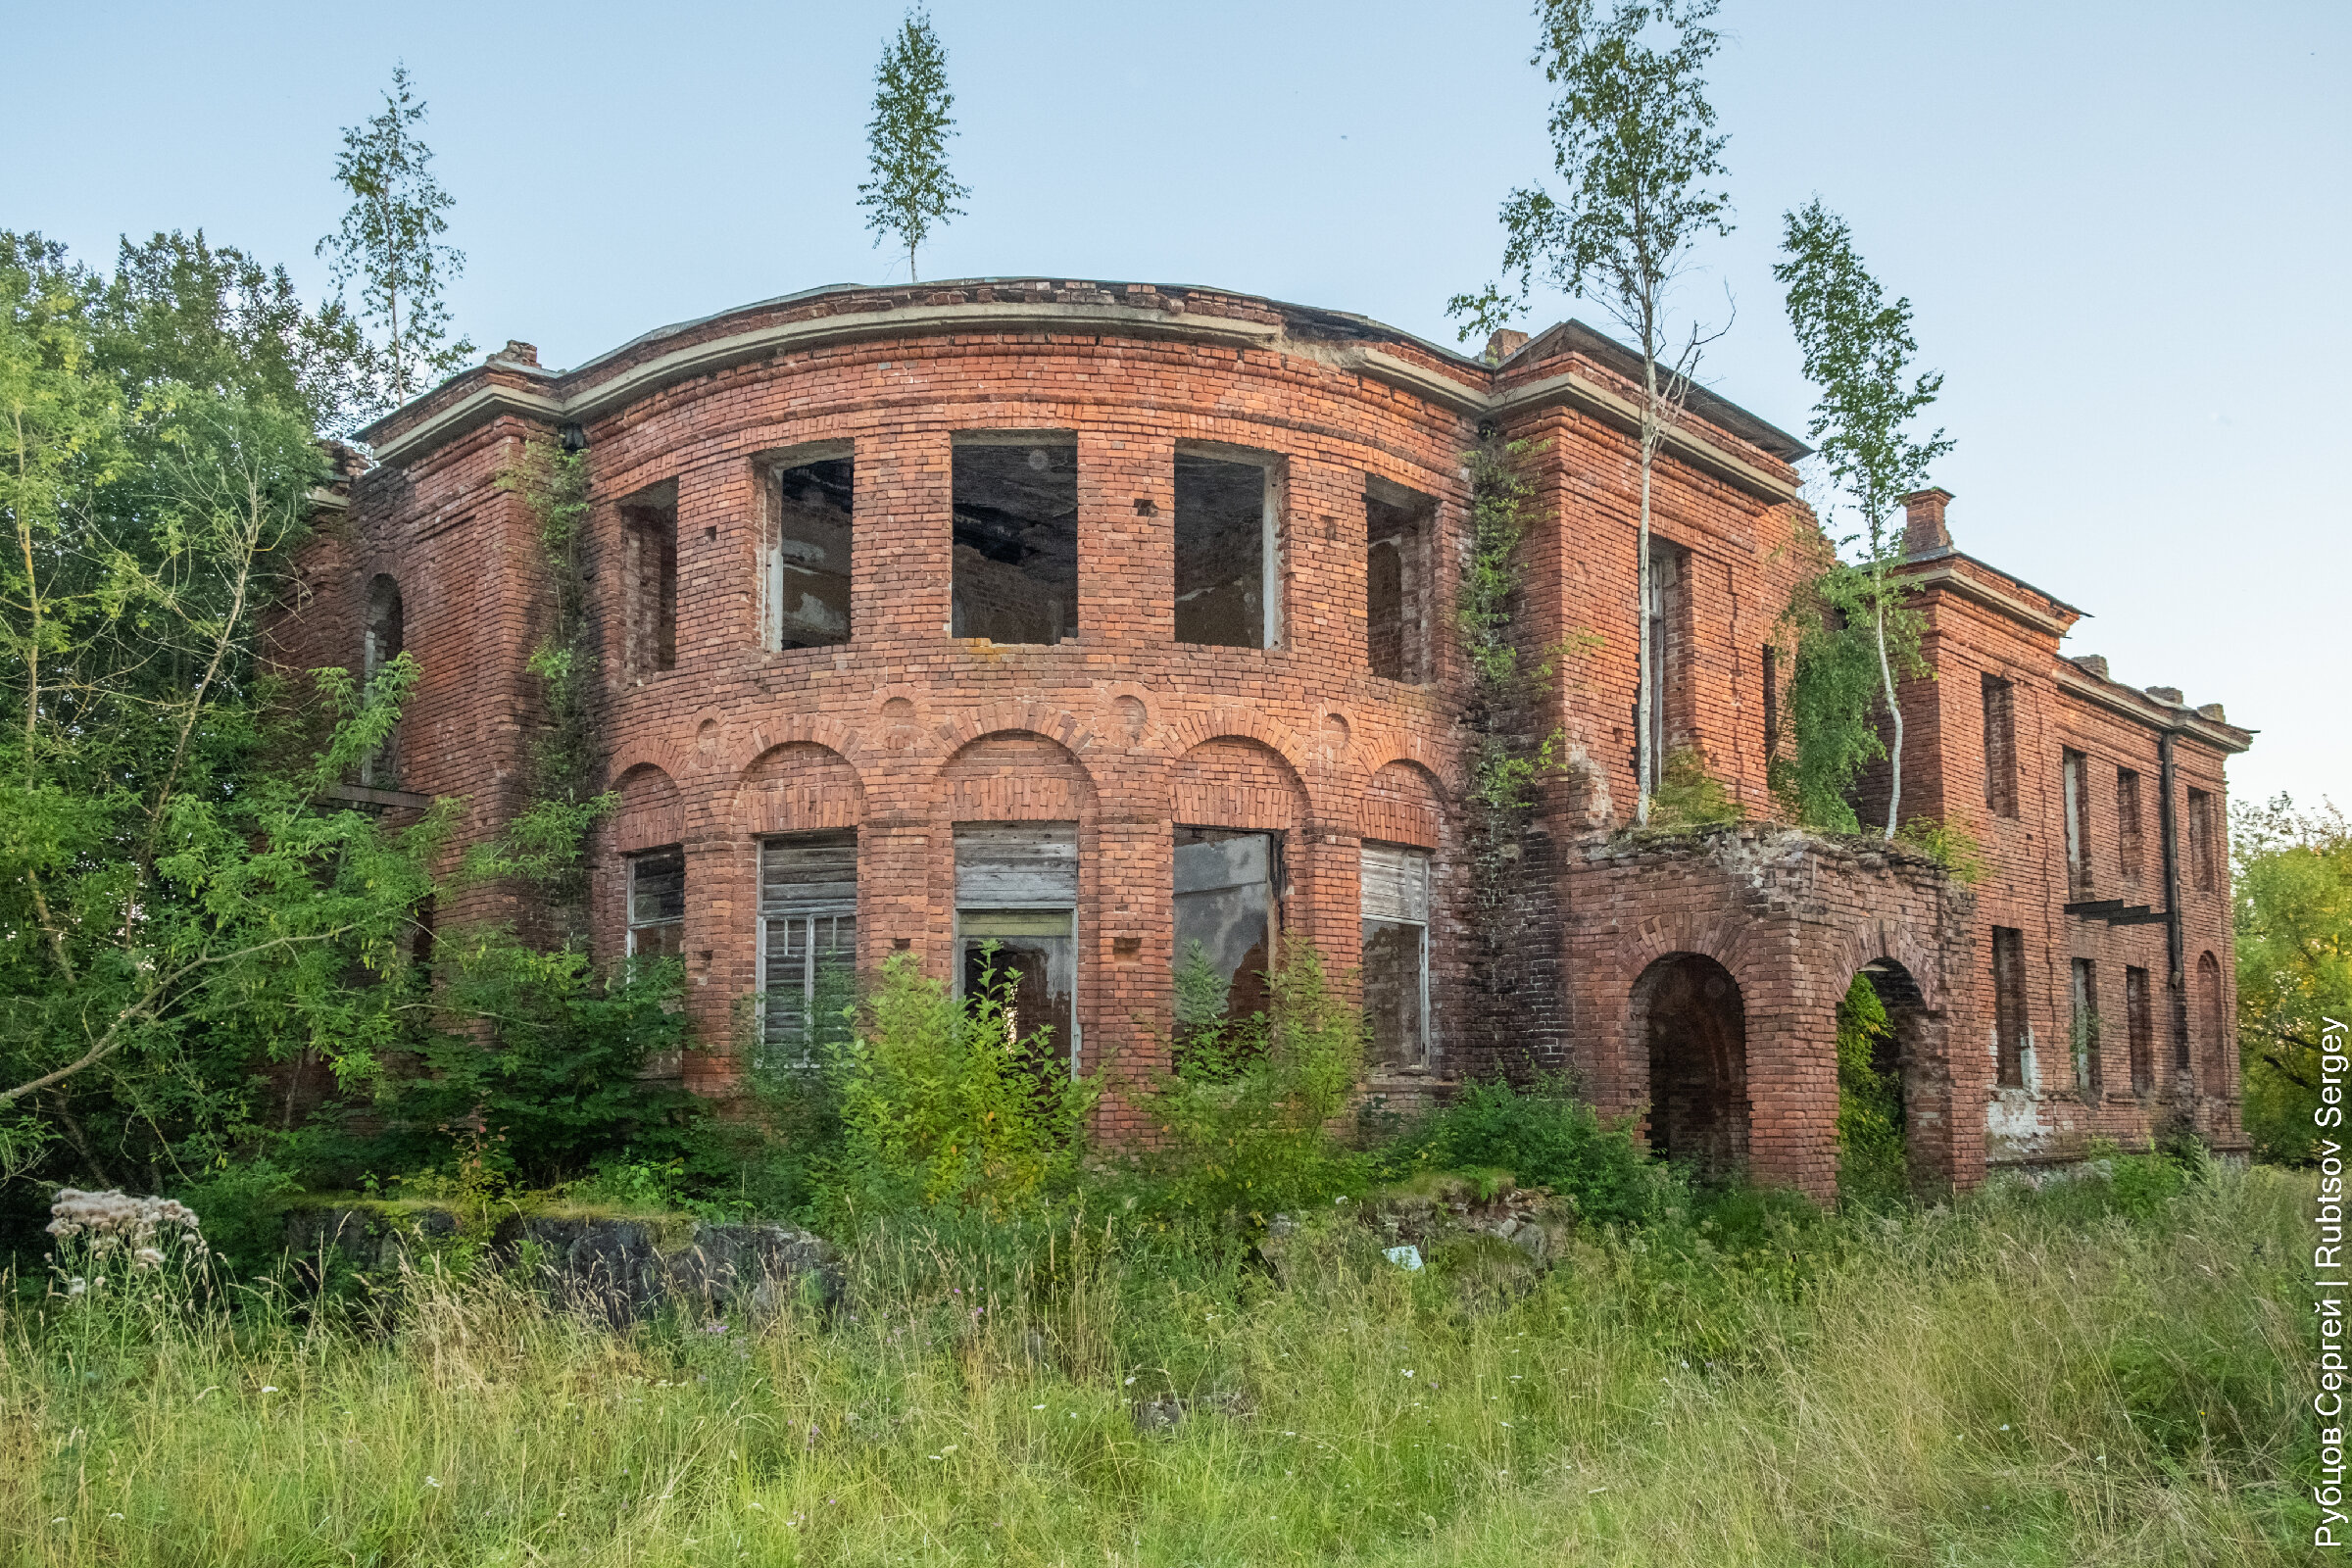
[
  {"x": 1691, "y": 1016},
  {"x": 379, "y": 646}
]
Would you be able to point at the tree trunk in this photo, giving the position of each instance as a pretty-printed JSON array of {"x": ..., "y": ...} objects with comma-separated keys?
[{"x": 1894, "y": 794}]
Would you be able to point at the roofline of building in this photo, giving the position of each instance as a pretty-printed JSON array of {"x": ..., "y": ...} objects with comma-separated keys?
[
  {"x": 1347, "y": 343},
  {"x": 2156, "y": 713}
]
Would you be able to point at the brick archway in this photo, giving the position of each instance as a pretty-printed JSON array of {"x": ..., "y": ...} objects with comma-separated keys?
[{"x": 1687, "y": 1012}]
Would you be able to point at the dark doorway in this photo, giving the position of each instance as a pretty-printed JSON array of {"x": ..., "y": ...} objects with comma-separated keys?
[
  {"x": 1692, "y": 1019},
  {"x": 1877, "y": 1025}
]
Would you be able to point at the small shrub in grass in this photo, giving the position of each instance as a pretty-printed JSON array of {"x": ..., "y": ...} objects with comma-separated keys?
[{"x": 1544, "y": 1137}]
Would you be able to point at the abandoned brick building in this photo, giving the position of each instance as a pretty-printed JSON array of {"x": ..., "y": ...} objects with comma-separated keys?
[{"x": 1113, "y": 623}]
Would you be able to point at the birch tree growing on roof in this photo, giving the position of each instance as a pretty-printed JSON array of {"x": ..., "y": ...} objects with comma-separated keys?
[
  {"x": 1635, "y": 145},
  {"x": 1858, "y": 350},
  {"x": 910, "y": 193}
]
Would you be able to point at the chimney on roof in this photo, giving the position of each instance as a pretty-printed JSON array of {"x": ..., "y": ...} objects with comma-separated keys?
[
  {"x": 1503, "y": 344},
  {"x": 517, "y": 353},
  {"x": 1924, "y": 532},
  {"x": 2215, "y": 711},
  {"x": 2168, "y": 695},
  {"x": 2091, "y": 664}
]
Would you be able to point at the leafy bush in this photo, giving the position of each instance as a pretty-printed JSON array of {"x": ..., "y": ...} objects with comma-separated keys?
[
  {"x": 1688, "y": 796},
  {"x": 1872, "y": 1170},
  {"x": 1544, "y": 1137},
  {"x": 1949, "y": 844},
  {"x": 1247, "y": 1113}
]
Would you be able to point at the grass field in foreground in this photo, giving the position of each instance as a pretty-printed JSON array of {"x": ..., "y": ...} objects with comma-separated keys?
[{"x": 2021, "y": 1379}]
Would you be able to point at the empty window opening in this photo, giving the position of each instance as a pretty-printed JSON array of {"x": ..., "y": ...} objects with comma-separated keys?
[
  {"x": 2128, "y": 842},
  {"x": 1668, "y": 570},
  {"x": 1689, "y": 1009},
  {"x": 1017, "y": 538},
  {"x": 2204, "y": 863},
  {"x": 2140, "y": 1026},
  {"x": 2009, "y": 1006},
  {"x": 1772, "y": 706},
  {"x": 1395, "y": 918},
  {"x": 2214, "y": 1021},
  {"x": 2076, "y": 782},
  {"x": 809, "y": 555},
  {"x": 658, "y": 904},
  {"x": 1017, "y": 909},
  {"x": 380, "y": 644},
  {"x": 2000, "y": 747},
  {"x": 1397, "y": 527},
  {"x": 1227, "y": 916},
  {"x": 650, "y": 581},
  {"x": 807, "y": 941},
  {"x": 2090, "y": 1071},
  {"x": 1228, "y": 589}
]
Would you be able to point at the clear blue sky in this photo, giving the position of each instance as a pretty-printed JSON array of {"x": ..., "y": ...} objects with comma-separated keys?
[{"x": 2124, "y": 228}]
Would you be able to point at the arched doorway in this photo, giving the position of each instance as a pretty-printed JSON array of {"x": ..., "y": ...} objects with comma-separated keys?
[
  {"x": 1689, "y": 1015},
  {"x": 1878, "y": 1026}
]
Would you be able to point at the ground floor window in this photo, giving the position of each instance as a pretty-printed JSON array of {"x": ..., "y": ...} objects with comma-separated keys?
[
  {"x": 1225, "y": 925},
  {"x": 657, "y": 903},
  {"x": 1017, "y": 909},
  {"x": 807, "y": 938},
  {"x": 1395, "y": 920}
]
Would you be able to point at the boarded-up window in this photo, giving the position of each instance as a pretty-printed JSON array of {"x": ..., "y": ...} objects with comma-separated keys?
[
  {"x": 2000, "y": 747},
  {"x": 1395, "y": 920},
  {"x": 809, "y": 555},
  {"x": 1225, "y": 925},
  {"x": 2090, "y": 1071},
  {"x": 2212, "y": 1020},
  {"x": 1228, "y": 578},
  {"x": 807, "y": 939},
  {"x": 2129, "y": 840},
  {"x": 386, "y": 635},
  {"x": 657, "y": 903},
  {"x": 1016, "y": 887},
  {"x": 650, "y": 581},
  {"x": 2075, "y": 784},
  {"x": 1399, "y": 524},
  {"x": 2204, "y": 862},
  {"x": 2141, "y": 1026},
  {"x": 1015, "y": 537},
  {"x": 2009, "y": 1006}
]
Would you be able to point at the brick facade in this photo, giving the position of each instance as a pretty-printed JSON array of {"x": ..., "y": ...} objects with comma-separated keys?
[{"x": 902, "y": 731}]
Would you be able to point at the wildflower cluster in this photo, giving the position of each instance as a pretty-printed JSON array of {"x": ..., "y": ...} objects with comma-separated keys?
[{"x": 116, "y": 1222}]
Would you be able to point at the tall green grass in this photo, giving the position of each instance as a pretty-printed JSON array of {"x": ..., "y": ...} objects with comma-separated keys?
[{"x": 2082, "y": 1376}]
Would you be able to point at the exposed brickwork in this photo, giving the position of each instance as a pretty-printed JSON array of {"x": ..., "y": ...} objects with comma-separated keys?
[{"x": 905, "y": 731}]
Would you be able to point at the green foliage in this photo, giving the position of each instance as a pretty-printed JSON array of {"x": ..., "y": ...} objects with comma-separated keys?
[
  {"x": 1504, "y": 770},
  {"x": 1872, "y": 1170},
  {"x": 1688, "y": 796},
  {"x": 2294, "y": 912},
  {"x": 942, "y": 1103},
  {"x": 910, "y": 193},
  {"x": 1949, "y": 844},
  {"x": 1837, "y": 690},
  {"x": 1247, "y": 1115},
  {"x": 1544, "y": 1136},
  {"x": 389, "y": 243}
]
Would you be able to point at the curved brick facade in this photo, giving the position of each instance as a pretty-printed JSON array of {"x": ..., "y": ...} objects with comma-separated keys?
[{"x": 905, "y": 731}]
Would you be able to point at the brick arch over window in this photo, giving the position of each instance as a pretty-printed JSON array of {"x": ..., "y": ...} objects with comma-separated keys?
[
  {"x": 1015, "y": 777},
  {"x": 800, "y": 787},
  {"x": 1230, "y": 781},
  {"x": 1403, "y": 804},
  {"x": 652, "y": 812}
]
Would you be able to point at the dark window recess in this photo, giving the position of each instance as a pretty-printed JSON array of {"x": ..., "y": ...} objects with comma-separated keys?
[
  {"x": 1016, "y": 887},
  {"x": 2204, "y": 863},
  {"x": 2130, "y": 845},
  {"x": 2075, "y": 781},
  {"x": 658, "y": 904},
  {"x": 1016, "y": 541},
  {"x": 1227, "y": 914},
  {"x": 807, "y": 940},
  {"x": 2140, "y": 1026},
  {"x": 2090, "y": 1071},
  {"x": 1225, "y": 549},
  {"x": 2214, "y": 1021},
  {"x": 2009, "y": 1004},
  {"x": 381, "y": 644},
  {"x": 1396, "y": 922},
  {"x": 1668, "y": 710},
  {"x": 808, "y": 559},
  {"x": 1772, "y": 706},
  {"x": 650, "y": 581},
  {"x": 1398, "y": 528},
  {"x": 2000, "y": 747}
]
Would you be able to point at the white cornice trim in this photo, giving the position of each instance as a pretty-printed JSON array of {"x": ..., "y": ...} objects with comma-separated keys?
[{"x": 603, "y": 396}]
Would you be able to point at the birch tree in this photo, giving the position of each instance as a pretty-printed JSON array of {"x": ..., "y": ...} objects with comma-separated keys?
[
  {"x": 1858, "y": 351},
  {"x": 910, "y": 193},
  {"x": 1636, "y": 148},
  {"x": 389, "y": 243}
]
